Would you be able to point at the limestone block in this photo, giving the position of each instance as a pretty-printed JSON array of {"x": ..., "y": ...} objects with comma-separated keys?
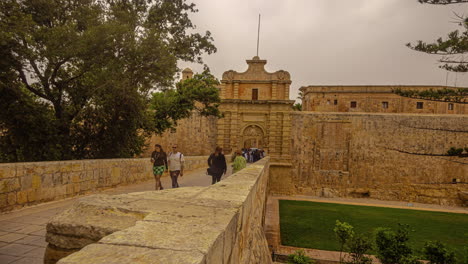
[
  {"x": 36, "y": 181},
  {"x": 3, "y": 200},
  {"x": 47, "y": 181},
  {"x": 117, "y": 254},
  {"x": 26, "y": 182},
  {"x": 22, "y": 197},
  {"x": 32, "y": 195},
  {"x": 7, "y": 171},
  {"x": 9, "y": 185},
  {"x": 12, "y": 198},
  {"x": 68, "y": 242}
]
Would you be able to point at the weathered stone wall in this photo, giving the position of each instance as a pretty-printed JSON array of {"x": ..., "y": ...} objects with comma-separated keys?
[
  {"x": 375, "y": 99},
  {"x": 381, "y": 156},
  {"x": 194, "y": 136},
  {"x": 222, "y": 223},
  {"x": 36, "y": 182}
]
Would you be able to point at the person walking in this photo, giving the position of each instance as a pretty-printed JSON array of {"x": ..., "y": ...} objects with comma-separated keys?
[
  {"x": 176, "y": 162},
  {"x": 217, "y": 164},
  {"x": 239, "y": 162},
  {"x": 159, "y": 160}
]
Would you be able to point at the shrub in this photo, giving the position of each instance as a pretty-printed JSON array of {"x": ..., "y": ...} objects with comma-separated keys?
[
  {"x": 437, "y": 253},
  {"x": 358, "y": 245},
  {"x": 391, "y": 246},
  {"x": 454, "y": 151},
  {"x": 299, "y": 258}
]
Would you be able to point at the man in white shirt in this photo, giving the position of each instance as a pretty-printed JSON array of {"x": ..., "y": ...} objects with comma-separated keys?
[{"x": 176, "y": 162}]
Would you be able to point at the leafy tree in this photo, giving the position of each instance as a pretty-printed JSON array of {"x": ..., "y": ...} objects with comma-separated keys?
[
  {"x": 437, "y": 253},
  {"x": 343, "y": 232},
  {"x": 198, "y": 94},
  {"x": 453, "y": 48},
  {"x": 76, "y": 75}
]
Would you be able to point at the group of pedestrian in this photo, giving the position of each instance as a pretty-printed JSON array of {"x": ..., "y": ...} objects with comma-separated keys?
[
  {"x": 253, "y": 155},
  {"x": 174, "y": 163}
]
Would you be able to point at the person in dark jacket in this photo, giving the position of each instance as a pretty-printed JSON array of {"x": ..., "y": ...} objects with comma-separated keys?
[
  {"x": 217, "y": 164},
  {"x": 159, "y": 160}
]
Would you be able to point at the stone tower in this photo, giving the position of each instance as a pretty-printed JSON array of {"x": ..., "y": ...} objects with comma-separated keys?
[
  {"x": 187, "y": 73},
  {"x": 257, "y": 110}
]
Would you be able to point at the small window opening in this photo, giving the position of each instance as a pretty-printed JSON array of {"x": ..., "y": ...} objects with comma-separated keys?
[
  {"x": 335, "y": 102},
  {"x": 254, "y": 94},
  {"x": 450, "y": 106},
  {"x": 384, "y": 105},
  {"x": 328, "y": 102},
  {"x": 419, "y": 105},
  {"x": 353, "y": 104}
]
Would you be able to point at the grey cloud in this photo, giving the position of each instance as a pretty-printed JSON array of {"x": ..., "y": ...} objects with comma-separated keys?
[{"x": 329, "y": 41}]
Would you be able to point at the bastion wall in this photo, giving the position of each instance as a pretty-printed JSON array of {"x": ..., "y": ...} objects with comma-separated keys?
[
  {"x": 381, "y": 156},
  {"x": 222, "y": 223},
  {"x": 31, "y": 183},
  {"x": 194, "y": 136}
]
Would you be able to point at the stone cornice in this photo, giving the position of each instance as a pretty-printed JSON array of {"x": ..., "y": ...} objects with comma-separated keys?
[
  {"x": 240, "y": 101},
  {"x": 257, "y": 81}
]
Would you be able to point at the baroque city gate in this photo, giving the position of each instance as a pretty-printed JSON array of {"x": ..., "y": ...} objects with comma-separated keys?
[{"x": 257, "y": 110}]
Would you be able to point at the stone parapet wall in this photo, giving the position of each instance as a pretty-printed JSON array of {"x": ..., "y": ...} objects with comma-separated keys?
[
  {"x": 31, "y": 183},
  {"x": 383, "y": 156},
  {"x": 222, "y": 223}
]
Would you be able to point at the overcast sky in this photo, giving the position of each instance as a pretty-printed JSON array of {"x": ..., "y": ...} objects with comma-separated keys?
[{"x": 329, "y": 42}]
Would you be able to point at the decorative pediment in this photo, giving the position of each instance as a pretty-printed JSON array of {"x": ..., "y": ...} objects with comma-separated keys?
[{"x": 256, "y": 72}]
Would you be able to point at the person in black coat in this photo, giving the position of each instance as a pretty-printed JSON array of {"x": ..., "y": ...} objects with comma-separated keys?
[{"x": 217, "y": 164}]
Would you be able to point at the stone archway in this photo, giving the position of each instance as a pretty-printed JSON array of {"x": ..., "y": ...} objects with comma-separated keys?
[{"x": 253, "y": 137}]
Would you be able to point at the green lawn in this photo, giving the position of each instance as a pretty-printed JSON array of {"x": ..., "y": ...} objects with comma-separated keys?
[{"x": 310, "y": 224}]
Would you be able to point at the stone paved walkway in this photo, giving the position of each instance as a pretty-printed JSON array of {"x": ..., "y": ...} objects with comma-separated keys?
[
  {"x": 22, "y": 232},
  {"x": 272, "y": 223}
]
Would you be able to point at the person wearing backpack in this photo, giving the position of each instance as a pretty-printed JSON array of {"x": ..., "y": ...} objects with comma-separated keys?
[
  {"x": 176, "y": 161},
  {"x": 217, "y": 164}
]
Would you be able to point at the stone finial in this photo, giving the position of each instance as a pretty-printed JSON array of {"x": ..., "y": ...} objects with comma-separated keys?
[{"x": 187, "y": 73}]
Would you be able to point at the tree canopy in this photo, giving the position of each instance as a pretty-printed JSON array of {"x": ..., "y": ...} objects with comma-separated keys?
[
  {"x": 198, "y": 94},
  {"x": 76, "y": 75},
  {"x": 454, "y": 47}
]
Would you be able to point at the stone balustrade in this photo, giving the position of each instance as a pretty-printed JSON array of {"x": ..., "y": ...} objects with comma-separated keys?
[
  {"x": 222, "y": 223},
  {"x": 29, "y": 183}
]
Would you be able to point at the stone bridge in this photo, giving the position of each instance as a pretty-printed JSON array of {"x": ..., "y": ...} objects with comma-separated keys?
[{"x": 222, "y": 223}]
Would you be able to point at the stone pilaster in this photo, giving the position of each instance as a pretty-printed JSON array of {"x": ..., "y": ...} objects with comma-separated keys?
[
  {"x": 286, "y": 91},
  {"x": 274, "y": 91},
  {"x": 236, "y": 90}
]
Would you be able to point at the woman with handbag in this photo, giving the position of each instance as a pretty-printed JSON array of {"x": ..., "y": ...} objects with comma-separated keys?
[{"x": 217, "y": 165}]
